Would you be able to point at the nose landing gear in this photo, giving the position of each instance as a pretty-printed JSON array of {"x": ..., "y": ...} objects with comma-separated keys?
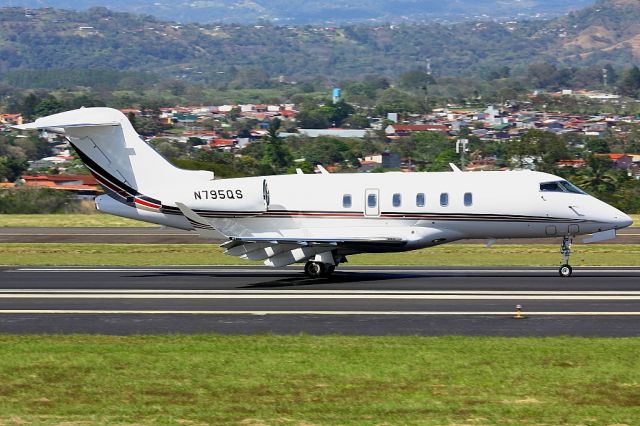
[{"x": 566, "y": 270}]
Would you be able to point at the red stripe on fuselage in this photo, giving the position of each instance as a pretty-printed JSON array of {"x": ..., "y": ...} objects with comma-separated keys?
[{"x": 146, "y": 203}]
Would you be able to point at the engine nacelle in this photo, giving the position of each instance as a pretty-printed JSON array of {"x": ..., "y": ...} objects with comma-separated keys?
[{"x": 106, "y": 204}]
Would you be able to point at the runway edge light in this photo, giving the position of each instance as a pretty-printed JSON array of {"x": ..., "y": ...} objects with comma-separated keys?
[{"x": 518, "y": 314}]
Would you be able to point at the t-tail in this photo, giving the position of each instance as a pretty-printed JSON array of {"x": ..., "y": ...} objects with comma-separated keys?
[{"x": 133, "y": 174}]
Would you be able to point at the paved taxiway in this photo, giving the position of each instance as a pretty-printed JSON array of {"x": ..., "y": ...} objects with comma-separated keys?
[
  {"x": 175, "y": 236},
  {"x": 366, "y": 301}
]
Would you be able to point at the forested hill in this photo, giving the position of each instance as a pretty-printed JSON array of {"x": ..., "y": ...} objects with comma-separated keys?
[
  {"x": 52, "y": 39},
  {"x": 319, "y": 12}
]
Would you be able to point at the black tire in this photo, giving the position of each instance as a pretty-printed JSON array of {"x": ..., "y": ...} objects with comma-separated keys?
[
  {"x": 565, "y": 271},
  {"x": 314, "y": 269}
]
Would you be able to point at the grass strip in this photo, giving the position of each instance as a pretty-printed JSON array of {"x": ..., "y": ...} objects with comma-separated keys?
[
  {"x": 96, "y": 220},
  {"x": 310, "y": 380},
  {"x": 48, "y": 254}
]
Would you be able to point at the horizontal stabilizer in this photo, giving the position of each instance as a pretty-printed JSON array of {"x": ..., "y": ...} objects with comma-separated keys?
[
  {"x": 84, "y": 117},
  {"x": 200, "y": 224}
]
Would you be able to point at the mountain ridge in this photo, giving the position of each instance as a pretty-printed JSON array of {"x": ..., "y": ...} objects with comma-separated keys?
[
  {"x": 606, "y": 33},
  {"x": 305, "y": 12}
]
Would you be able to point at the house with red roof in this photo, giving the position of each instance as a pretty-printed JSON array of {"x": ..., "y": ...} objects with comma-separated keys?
[
  {"x": 11, "y": 119},
  {"x": 82, "y": 186}
]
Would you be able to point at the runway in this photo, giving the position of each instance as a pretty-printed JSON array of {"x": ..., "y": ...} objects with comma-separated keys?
[
  {"x": 157, "y": 235},
  {"x": 363, "y": 301}
]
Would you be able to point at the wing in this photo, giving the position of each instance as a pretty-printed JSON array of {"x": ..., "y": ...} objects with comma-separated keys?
[
  {"x": 289, "y": 246},
  {"x": 285, "y": 251}
]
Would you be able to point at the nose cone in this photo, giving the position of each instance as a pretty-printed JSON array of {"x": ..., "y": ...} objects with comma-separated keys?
[{"x": 622, "y": 220}]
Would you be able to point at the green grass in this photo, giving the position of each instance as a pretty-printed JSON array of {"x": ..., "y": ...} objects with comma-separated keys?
[
  {"x": 68, "y": 221},
  {"x": 209, "y": 254},
  {"x": 306, "y": 380},
  {"x": 636, "y": 220}
]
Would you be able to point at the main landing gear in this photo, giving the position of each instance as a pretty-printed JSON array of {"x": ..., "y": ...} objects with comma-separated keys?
[
  {"x": 566, "y": 270},
  {"x": 315, "y": 269}
]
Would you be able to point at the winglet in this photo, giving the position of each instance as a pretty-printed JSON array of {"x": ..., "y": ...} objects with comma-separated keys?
[
  {"x": 455, "y": 168},
  {"x": 202, "y": 227},
  {"x": 323, "y": 171}
]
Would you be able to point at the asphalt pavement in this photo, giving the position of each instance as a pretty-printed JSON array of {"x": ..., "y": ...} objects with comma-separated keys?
[{"x": 364, "y": 301}]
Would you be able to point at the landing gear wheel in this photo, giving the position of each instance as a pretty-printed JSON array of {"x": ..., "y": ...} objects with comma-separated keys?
[
  {"x": 318, "y": 269},
  {"x": 315, "y": 269},
  {"x": 565, "y": 271}
]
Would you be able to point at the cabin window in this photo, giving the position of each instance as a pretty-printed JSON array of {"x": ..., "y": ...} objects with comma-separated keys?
[
  {"x": 346, "y": 201},
  {"x": 444, "y": 199},
  {"x": 468, "y": 199},
  {"x": 420, "y": 199},
  {"x": 372, "y": 200},
  {"x": 397, "y": 200}
]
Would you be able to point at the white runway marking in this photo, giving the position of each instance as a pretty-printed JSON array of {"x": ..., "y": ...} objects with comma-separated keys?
[
  {"x": 328, "y": 313},
  {"x": 259, "y": 293},
  {"x": 318, "y": 294}
]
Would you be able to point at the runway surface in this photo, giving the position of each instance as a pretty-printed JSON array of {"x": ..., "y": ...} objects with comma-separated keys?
[
  {"x": 176, "y": 236},
  {"x": 363, "y": 301}
]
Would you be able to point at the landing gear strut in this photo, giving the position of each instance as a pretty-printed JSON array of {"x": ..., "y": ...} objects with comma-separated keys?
[
  {"x": 566, "y": 270},
  {"x": 318, "y": 269}
]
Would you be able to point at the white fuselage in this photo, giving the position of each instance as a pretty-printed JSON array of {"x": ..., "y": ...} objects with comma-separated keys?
[{"x": 407, "y": 207}]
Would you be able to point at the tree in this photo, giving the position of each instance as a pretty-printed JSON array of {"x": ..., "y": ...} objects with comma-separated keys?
[
  {"x": 357, "y": 121},
  {"x": 34, "y": 200},
  {"x": 341, "y": 111},
  {"x": 442, "y": 160},
  {"x": 416, "y": 79},
  {"x": 148, "y": 126},
  {"x": 499, "y": 72},
  {"x": 597, "y": 145},
  {"x": 545, "y": 148},
  {"x": 28, "y": 106},
  {"x": 33, "y": 147},
  {"x": 242, "y": 128},
  {"x": 394, "y": 100},
  {"x": 629, "y": 82},
  {"x": 598, "y": 177},
  {"x": 545, "y": 75},
  {"x": 12, "y": 168},
  {"x": 312, "y": 119},
  {"x": 47, "y": 106},
  {"x": 275, "y": 153}
]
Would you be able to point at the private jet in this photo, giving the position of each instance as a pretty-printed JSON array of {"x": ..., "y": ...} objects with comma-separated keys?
[{"x": 321, "y": 219}]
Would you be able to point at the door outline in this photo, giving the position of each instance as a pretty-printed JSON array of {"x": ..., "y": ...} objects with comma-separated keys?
[{"x": 372, "y": 211}]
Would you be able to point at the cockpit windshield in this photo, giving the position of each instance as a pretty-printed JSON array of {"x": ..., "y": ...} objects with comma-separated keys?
[{"x": 560, "y": 186}]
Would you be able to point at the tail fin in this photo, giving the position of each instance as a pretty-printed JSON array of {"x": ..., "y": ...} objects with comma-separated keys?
[{"x": 108, "y": 144}]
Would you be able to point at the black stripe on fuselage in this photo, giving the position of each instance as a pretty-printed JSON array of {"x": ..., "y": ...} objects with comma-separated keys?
[
  {"x": 107, "y": 178},
  {"x": 457, "y": 217}
]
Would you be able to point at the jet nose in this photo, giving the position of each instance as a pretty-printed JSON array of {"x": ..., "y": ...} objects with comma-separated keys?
[{"x": 622, "y": 220}]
